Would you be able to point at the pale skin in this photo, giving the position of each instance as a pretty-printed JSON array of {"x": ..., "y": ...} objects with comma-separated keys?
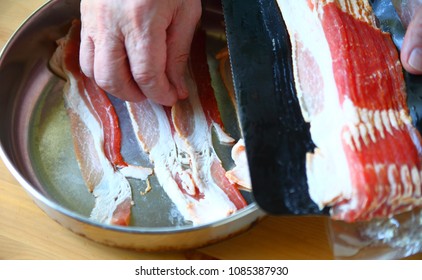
[
  {"x": 138, "y": 48},
  {"x": 411, "y": 52}
]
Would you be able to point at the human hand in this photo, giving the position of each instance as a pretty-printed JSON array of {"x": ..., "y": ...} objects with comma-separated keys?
[
  {"x": 411, "y": 52},
  {"x": 137, "y": 48}
]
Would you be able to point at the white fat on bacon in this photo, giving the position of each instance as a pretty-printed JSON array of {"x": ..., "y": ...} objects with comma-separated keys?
[
  {"x": 239, "y": 174},
  {"x": 318, "y": 96},
  {"x": 182, "y": 159},
  {"x": 108, "y": 185}
]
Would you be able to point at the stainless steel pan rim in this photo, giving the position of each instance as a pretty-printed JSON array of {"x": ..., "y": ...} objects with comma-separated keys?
[{"x": 131, "y": 229}]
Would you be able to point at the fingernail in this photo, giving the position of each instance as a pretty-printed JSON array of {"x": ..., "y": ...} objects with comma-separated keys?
[{"x": 415, "y": 59}]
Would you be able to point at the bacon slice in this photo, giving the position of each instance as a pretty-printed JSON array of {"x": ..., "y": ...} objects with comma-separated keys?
[
  {"x": 351, "y": 88},
  {"x": 183, "y": 172},
  {"x": 178, "y": 141},
  {"x": 239, "y": 174},
  {"x": 96, "y": 136},
  {"x": 200, "y": 73}
]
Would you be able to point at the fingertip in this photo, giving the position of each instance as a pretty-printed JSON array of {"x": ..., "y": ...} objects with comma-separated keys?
[
  {"x": 414, "y": 61},
  {"x": 179, "y": 77},
  {"x": 130, "y": 95},
  {"x": 182, "y": 94},
  {"x": 129, "y": 91},
  {"x": 182, "y": 89},
  {"x": 411, "y": 51},
  {"x": 168, "y": 99},
  {"x": 156, "y": 87},
  {"x": 119, "y": 86}
]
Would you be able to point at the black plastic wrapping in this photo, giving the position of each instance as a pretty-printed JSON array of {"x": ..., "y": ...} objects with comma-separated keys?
[{"x": 276, "y": 136}]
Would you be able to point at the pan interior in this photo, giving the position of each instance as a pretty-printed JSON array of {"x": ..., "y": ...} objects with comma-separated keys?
[{"x": 54, "y": 162}]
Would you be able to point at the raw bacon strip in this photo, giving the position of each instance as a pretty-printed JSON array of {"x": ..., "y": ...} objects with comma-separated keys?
[
  {"x": 193, "y": 139},
  {"x": 197, "y": 201},
  {"x": 96, "y": 135},
  {"x": 179, "y": 144},
  {"x": 201, "y": 89},
  {"x": 107, "y": 117},
  {"x": 240, "y": 173},
  {"x": 351, "y": 89},
  {"x": 200, "y": 72}
]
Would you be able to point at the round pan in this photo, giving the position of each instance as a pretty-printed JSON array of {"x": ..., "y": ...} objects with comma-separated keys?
[{"x": 25, "y": 82}]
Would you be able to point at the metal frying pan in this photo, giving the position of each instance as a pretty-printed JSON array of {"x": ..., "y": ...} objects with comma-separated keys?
[{"x": 30, "y": 105}]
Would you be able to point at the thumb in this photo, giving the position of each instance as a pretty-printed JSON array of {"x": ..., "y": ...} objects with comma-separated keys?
[
  {"x": 411, "y": 52},
  {"x": 180, "y": 34}
]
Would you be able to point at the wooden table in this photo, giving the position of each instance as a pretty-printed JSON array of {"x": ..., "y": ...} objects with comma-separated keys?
[{"x": 26, "y": 232}]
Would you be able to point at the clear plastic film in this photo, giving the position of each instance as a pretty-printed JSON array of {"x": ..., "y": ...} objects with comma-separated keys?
[
  {"x": 399, "y": 236},
  {"x": 393, "y": 238}
]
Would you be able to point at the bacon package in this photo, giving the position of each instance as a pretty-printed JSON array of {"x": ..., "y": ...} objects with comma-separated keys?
[
  {"x": 178, "y": 141},
  {"x": 366, "y": 166},
  {"x": 350, "y": 84}
]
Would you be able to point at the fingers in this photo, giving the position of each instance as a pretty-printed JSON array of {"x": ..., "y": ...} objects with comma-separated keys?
[
  {"x": 411, "y": 52},
  {"x": 112, "y": 72},
  {"x": 86, "y": 54},
  {"x": 139, "y": 48},
  {"x": 87, "y": 46},
  {"x": 147, "y": 59},
  {"x": 107, "y": 64},
  {"x": 179, "y": 40}
]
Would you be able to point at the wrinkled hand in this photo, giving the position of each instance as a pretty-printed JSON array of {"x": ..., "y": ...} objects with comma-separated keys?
[
  {"x": 137, "y": 48},
  {"x": 411, "y": 52}
]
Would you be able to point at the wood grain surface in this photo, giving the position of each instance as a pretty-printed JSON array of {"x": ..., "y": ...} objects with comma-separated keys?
[{"x": 26, "y": 232}]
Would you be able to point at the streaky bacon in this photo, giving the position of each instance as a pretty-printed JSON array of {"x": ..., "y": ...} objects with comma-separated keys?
[
  {"x": 351, "y": 88},
  {"x": 200, "y": 73},
  {"x": 239, "y": 174},
  {"x": 179, "y": 144},
  {"x": 96, "y": 135}
]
